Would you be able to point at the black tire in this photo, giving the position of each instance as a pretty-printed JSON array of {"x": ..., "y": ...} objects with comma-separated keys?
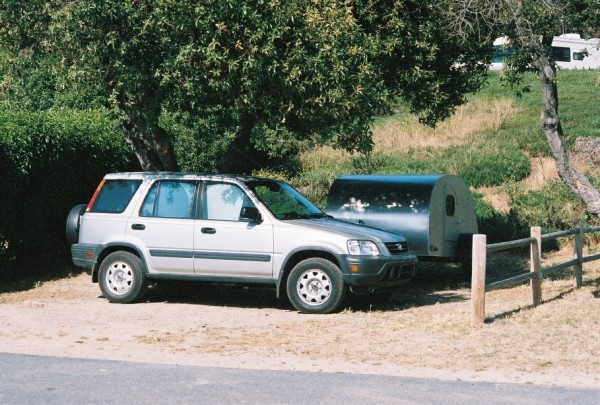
[
  {"x": 464, "y": 248},
  {"x": 466, "y": 269},
  {"x": 122, "y": 278},
  {"x": 73, "y": 222},
  {"x": 316, "y": 286}
]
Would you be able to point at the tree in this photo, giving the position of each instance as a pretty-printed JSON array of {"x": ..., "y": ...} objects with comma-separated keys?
[
  {"x": 25, "y": 68},
  {"x": 260, "y": 74},
  {"x": 582, "y": 16},
  {"x": 122, "y": 42},
  {"x": 530, "y": 26}
]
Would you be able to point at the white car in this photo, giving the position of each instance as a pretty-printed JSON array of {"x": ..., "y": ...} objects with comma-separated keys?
[{"x": 235, "y": 229}]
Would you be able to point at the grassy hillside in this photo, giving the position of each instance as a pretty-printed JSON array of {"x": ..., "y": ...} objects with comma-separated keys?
[{"x": 494, "y": 143}]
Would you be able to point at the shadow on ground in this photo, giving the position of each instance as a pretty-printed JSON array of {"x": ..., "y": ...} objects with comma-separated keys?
[
  {"x": 433, "y": 284},
  {"x": 28, "y": 276},
  {"x": 223, "y": 295}
]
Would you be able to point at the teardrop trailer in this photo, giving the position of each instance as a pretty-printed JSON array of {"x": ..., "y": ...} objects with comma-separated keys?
[{"x": 434, "y": 212}]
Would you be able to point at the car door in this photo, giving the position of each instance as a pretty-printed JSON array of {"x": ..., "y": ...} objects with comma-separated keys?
[
  {"x": 227, "y": 245},
  {"x": 164, "y": 227}
]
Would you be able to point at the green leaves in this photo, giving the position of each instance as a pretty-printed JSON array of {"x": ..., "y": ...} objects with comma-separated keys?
[{"x": 318, "y": 71}]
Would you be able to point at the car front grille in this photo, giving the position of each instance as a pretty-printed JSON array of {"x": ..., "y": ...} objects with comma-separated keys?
[{"x": 397, "y": 248}]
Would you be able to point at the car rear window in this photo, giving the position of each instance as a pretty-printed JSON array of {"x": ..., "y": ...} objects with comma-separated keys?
[{"x": 114, "y": 196}]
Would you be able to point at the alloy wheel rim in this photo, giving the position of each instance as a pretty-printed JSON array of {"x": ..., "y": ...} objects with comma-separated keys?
[
  {"x": 314, "y": 287},
  {"x": 119, "y": 278}
]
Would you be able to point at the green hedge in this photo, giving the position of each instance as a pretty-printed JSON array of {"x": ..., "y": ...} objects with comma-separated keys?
[{"x": 49, "y": 162}]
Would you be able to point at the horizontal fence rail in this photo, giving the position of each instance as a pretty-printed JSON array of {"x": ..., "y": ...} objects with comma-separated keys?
[{"x": 536, "y": 273}]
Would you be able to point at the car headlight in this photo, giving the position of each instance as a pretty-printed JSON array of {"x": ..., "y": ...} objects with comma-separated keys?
[{"x": 362, "y": 247}]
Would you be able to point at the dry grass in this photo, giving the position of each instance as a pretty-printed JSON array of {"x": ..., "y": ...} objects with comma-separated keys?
[
  {"x": 470, "y": 119},
  {"x": 543, "y": 169},
  {"x": 399, "y": 134}
]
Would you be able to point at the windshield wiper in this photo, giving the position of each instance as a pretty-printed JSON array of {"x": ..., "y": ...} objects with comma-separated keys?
[{"x": 320, "y": 215}]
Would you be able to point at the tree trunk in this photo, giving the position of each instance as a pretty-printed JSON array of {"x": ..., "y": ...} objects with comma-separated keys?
[
  {"x": 238, "y": 157},
  {"x": 552, "y": 128},
  {"x": 149, "y": 142}
]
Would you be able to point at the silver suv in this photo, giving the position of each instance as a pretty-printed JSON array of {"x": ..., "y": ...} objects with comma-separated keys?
[{"x": 236, "y": 229}]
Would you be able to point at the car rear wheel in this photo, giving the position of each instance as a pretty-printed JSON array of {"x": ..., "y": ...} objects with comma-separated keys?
[
  {"x": 122, "y": 278},
  {"x": 316, "y": 286}
]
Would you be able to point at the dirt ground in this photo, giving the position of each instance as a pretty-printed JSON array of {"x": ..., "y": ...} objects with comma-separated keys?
[{"x": 424, "y": 331}]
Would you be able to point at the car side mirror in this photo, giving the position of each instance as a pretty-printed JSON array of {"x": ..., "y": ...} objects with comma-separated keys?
[{"x": 251, "y": 213}]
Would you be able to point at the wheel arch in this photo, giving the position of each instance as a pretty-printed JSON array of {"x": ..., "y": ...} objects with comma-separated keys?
[
  {"x": 296, "y": 257},
  {"x": 111, "y": 248}
]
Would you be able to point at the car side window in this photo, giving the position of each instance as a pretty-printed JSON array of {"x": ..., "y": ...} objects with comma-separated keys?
[
  {"x": 224, "y": 202},
  {"x": 169, "y": 199}
]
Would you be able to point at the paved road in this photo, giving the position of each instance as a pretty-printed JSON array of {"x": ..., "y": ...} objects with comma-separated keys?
[{"x": 53, "y": 380}]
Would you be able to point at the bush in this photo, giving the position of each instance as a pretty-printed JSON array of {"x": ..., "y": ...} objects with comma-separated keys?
[
  {"x": 490, "y": 167},
  {"x": 554, "y": 207},
  {"x": 49, "y": 162},
  {"x": 478, "y": 167},
  {"x": 498, "y": 226}
]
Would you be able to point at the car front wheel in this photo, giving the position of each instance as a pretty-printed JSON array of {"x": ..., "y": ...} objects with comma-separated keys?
[
  {"x": 316, "y": 286},
  {"x": 122, "y": 278}
]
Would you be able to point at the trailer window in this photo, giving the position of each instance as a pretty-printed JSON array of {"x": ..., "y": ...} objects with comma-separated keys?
[
  {"x": 561, "y": 54},
  {"x": 501, "y": 53},
  {"x": 450, "y": 205},
  {"x": 357, "y": 197},
  {"x": 578, "y": 55}
]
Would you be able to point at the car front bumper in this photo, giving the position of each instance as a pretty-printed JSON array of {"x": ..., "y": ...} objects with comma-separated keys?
[{"x": 379, "y": 271}]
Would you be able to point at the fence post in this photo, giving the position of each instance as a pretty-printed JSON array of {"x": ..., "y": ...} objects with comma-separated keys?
[
  {"x": 578, "y": 267},
  {"x": 536, "y": 264},
  {"x": 478, "y": 280}
]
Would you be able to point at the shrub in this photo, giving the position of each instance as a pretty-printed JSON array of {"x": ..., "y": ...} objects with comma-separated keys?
[
  {"x": 490, "y": 167},
  {"x": 554, "y": 207},
  {"x": 498, "y": 226},
  {"x": 51, "y": 161}
]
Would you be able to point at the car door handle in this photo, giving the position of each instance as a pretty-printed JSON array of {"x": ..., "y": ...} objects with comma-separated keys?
[
  {"x": 138, "y": 227},
  {"x": 208, "y": 230}
]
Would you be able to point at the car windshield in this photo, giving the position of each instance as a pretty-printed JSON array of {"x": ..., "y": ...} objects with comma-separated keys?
[{"x": 284, "y": 201}]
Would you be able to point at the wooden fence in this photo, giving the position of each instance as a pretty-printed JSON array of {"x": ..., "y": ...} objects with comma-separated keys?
[{"x": 536, "y": 273}]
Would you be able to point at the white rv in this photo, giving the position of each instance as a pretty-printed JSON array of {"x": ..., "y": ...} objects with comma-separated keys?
[{"x": 569, "y": 50}]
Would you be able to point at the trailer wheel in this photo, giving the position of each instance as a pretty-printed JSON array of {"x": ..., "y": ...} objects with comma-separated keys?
[
  {"x": 464, "y": 250},
  {"x": 466, "y": 269}
]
